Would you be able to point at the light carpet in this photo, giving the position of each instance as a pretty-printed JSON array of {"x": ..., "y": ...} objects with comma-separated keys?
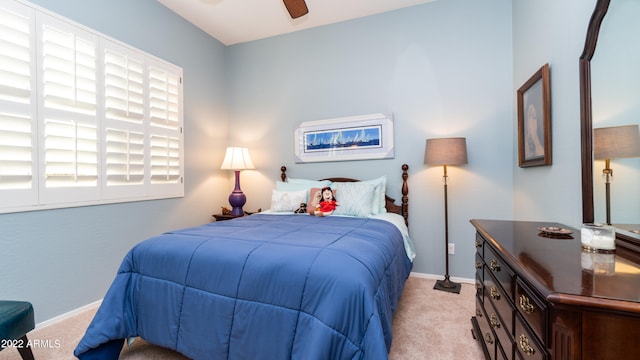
[{"x": 429, "y": 324}]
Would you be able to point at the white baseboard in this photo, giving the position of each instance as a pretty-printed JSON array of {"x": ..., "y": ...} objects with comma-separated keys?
[
  {"x": 440, "y": 277},
  {"x": 67, "y": 315}
]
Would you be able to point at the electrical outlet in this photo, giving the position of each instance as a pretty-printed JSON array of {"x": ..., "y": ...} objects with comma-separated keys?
[{"x": 452, "y": 249}]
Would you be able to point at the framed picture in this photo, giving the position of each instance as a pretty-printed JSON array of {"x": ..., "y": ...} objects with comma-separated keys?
[
  {"x": 349, "y": 138},
  {"x": 534, "y": 120}
]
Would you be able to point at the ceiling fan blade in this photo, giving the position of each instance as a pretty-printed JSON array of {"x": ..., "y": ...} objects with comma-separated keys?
[{"x": 296, "y": 8}]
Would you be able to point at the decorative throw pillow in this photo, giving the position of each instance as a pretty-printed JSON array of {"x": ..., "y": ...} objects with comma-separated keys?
[
  {"x": 287, "y": 200},
  {"x": 354, "y": 198},
  {"x": 315, "y": 194}
]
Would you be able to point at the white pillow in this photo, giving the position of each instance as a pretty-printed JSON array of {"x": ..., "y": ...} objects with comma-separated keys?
[
  {"x": 354, "y": 198},
  {"x": 287, "y": 200},
  {"x": 379, "y": 200}
]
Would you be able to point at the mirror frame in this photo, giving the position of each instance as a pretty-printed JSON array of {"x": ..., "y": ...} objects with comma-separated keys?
[{"x": 586, "y": 124}]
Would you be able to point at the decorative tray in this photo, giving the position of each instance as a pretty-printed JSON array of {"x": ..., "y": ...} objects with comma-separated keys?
[{"x": 552, "y": 230}]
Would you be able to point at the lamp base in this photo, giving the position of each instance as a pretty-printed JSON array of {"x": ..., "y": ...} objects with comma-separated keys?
[
  {"x": 237, "y": 199},
  {"x": 447, "y": 285}
]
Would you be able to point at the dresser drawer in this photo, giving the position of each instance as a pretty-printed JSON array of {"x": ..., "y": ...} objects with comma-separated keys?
[
  {"x": 500, "y": 270},
  {"x": 479, "y": 286},
  {"x": 479, "y": 262},
  {"x": 486, "y": 335},
  {"x": 498, "y": 299},
  {"x": 480, "y": 244},
  {"x": 479, "y": 266},
  {"x": 500, "y": 328},
  {"x": 532, "y": 309},
  {"x": 528, "y": 347},
  {"x": 501, "y": 356}
]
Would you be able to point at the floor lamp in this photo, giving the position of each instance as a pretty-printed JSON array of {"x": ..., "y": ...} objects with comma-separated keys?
[
  {"x": 446, "y": 151},
  {"x": 613, "y": 143},
  {"x": 237, "y": 159}
]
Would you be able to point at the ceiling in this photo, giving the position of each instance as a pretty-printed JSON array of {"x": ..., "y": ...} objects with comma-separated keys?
[{"x": 237, "y": 21}]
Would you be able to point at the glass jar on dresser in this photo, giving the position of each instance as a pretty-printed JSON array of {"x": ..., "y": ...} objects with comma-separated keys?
[{"x": 540, "y": 296}]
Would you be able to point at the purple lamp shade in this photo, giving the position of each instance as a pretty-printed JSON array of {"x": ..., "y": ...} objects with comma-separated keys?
[{"x": 237, "y": 159}]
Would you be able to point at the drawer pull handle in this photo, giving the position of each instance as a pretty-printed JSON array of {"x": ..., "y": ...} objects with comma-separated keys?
[
  {"x": 478, "y": 265},
  {"x": 494, "y": 293},
  {"x": 495, "y": 323},
  {"x": 525, "y": 347},
  {"x": 478, "y": 313},
  {"x": 494, "y": 265},
  {"x": 478, "y": 286},
  {"x": 478, "y": 243},
  {"x": 525, "y": 305},
  {"x": 488, "y": 339}
]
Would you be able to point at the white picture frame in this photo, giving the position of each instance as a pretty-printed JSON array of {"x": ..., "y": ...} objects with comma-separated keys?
[{"x": 362, "y": 137}]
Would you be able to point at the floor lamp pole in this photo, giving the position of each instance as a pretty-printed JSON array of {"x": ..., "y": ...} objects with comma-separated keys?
[
  {"x": 608, "y": 173},
  {"x": 446, "y": 284}
]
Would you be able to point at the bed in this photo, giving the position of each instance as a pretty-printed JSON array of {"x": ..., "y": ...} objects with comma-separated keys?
[{"x": 273, "y": 285}]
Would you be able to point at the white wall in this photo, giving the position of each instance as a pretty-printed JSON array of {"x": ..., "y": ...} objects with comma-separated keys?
[
  {"x": 442, "y": 68},
  {"x": 63, "y": 259}
]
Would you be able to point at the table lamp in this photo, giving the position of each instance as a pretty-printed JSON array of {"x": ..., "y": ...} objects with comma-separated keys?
[
  {"x": 446, "y": 151},
  {"x": 237, "y": 159},
  {"x": 613, "y": 143}
]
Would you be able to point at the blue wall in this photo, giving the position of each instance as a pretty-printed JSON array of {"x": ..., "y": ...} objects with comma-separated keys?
[
  {"x": 549, "y": 31},
  {"x": 616, "y": 101},
  {"x": 447, "y": 68},
  {"x": 443, "y": 69},
  {"x": 63, "y": 259}
]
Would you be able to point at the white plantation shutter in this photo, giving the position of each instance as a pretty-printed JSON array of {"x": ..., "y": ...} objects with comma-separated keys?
[
  {"x": 124, "y": 157},
  {"x": 165, "y": 159},
  {"x": 164, "y": 98},
  {"x": 124, "y": 121},
  {"x": 16, "y": 157},
  {"x": 70, "y": 154},
  {"x": 83, "y": 119},
  {"x": 18, "y": 123},
  {"x": 68, "y": 112},
  {"x": 123, "y": 84},
  {"x": 165, "y": 128}
]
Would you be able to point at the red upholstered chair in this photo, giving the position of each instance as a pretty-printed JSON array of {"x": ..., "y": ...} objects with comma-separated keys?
[{"x": 16, "y": 320}]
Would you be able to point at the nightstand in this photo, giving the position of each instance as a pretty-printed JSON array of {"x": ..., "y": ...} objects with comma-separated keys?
[{"x": 222, "y": 217}]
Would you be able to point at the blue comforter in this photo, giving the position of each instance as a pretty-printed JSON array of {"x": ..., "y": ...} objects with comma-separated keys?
[{"x": 259, "y": 287}]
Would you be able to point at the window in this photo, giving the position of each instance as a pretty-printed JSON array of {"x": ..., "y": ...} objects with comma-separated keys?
[{"x": 84, "y": 119}]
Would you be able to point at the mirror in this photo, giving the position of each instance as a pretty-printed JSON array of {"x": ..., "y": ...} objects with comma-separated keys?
[{"x": 610, "y": 96}]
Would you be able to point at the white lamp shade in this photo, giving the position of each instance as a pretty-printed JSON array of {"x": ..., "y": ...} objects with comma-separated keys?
[
  {"x": 237, "y": 158},
  {"x": 446, "y": 151}
]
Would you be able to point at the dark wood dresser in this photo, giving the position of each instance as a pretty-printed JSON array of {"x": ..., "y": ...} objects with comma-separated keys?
[{"x": 542, "y": 297}]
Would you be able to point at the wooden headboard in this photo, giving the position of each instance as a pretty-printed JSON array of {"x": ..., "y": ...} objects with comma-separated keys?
[{"x": 402, "y": 209}]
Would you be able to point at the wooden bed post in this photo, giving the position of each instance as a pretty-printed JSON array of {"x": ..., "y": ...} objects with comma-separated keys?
[{"x": 405, "y": 192}]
